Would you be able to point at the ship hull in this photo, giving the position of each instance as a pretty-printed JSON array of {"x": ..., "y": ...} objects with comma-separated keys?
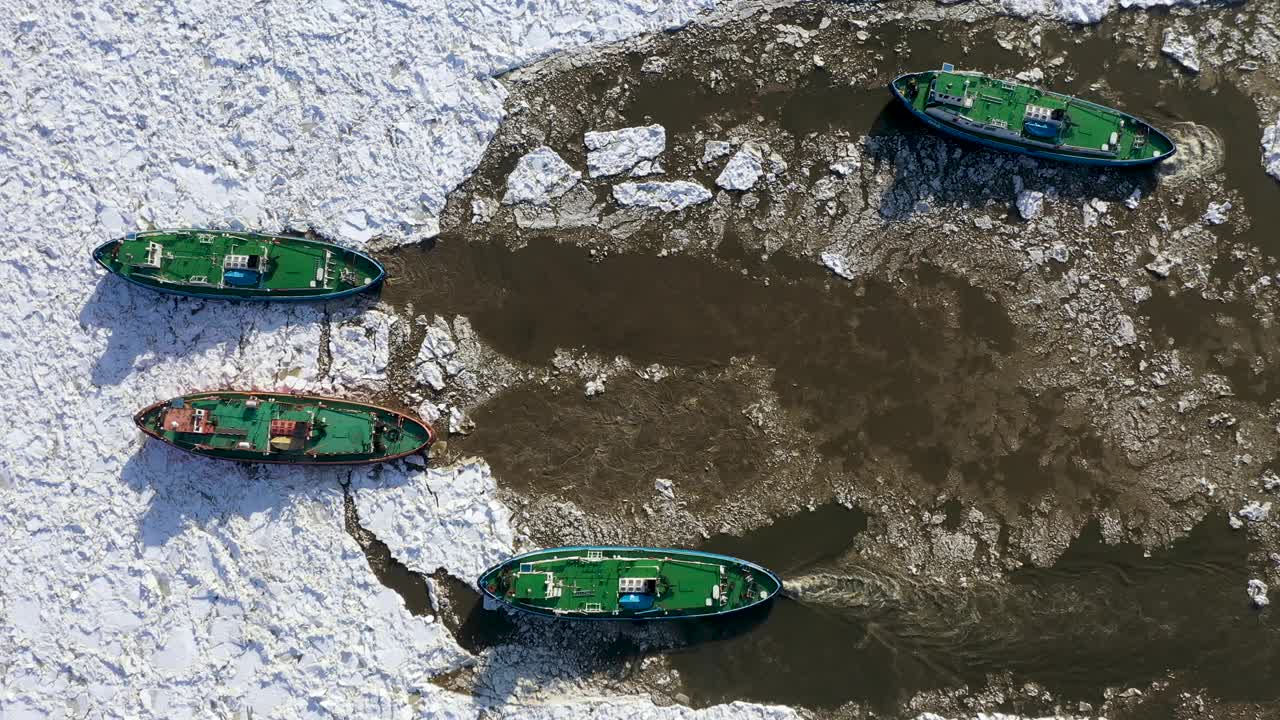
[
  {"x": 767, "y": 578},
  {"x": 104, "y": 254},
  {"x": 145, "y": 420},
  {"x": 1043, "y": 154}
]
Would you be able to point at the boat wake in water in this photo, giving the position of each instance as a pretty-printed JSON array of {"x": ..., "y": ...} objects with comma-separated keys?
[{"x": 1201, "y": 153}]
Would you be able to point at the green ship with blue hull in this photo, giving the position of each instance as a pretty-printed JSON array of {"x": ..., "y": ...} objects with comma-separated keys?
[
  {"x": 628, "y": 583},
  {"x": 216, "y": 264},
  {"x": 1023, "y": 119}
]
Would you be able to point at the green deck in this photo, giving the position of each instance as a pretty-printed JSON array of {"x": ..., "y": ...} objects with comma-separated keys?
[
  {"x": 255, "y": 427},
  {"x": 591, "y": 582},
  {"x": 996, "y": 105},
  {"x": 206, "y": 263}
]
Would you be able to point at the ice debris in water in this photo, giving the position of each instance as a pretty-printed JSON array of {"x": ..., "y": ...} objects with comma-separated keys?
[
  {"x": 665, "y": 196},
  {"x": 1162, "y": 265},
  {"x": 614, "y": 152},
  {"x": 1131, "y": 202},
  {"x": 1257, "y": 591},
  {"x": 837, "y": 264},
  {"x": 1255, "y": 511},
  {"x": 1217, "y": 213},
  {"x": 1034, "y": 75},
  {"x": 1060, "y": 252},
  {"x": 1182, "y": 48},
  {"x": 1271, "y": 149},
  {"x": 665, "y": 487},
  {"x": 1030, "y": 204},
  {"x": 539, "y": 177},
  {"x": 743, "y": 170},
  {"x": 1125, "y": 333},
  {"x": 1270, "y": 481},
  {"x": 459, "y": 422},
  {"x": 714, "y": 150},
  {"x": 595, "y": 386}
]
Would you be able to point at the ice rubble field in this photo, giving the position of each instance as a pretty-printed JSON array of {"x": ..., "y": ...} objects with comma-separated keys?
[{"x": 142, "y": 582}]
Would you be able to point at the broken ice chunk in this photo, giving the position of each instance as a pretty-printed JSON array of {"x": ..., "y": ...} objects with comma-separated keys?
[
  {"x": 1030, "y": 203},
  {"x": 1271, "y": 149},
  {"x": 616, "y": 151},
  {"x": 1217, "y": 213},
  {"x": 539, "y": 177},
  {"x": 743, "y": 170},
  {"x": 665, "y": 196},
  {"x": 1255, "y": 511},
  {"x": 1182, "y": 48},
  {"x": 838, "y": 265},
  {"x": 1257, "y": 591},
  {"x": 665, "y": 487},
  {"x": 714, "y": 150}
]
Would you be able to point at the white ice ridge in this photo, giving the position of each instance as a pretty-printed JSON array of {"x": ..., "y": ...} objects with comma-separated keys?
[
  {"x": 446, "y": 517},
  {"x": 616, "y": 151},
  {"x": 354, "y": 118},
  {"x": 1271, "y": 149},
  {"x": 1086, "y": 12},
  {"x": 539, "y": 177},
  {"x": 665, "y": 196}
]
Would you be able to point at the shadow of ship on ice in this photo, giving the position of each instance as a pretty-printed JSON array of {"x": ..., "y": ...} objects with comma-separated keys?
[
  {"x": 185, "y": 490},
  {"x": 146, "y": 327},
  {"x": 520, "y": 650}
]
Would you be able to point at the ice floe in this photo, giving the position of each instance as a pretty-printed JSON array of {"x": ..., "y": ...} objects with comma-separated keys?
[
  {"x": 1271, "y": 149},
  {"x": 539, "y": 177},
  {"x": 665, "y": 196},
  {"x": 1182, "y": 48},
  {"x": 1085, "y": 12},
  {"x": 743, "y": 170},
  {"x": 614, "y": 152}
]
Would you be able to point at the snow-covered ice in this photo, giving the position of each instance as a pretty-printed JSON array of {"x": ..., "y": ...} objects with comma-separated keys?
[
  {"x": 539, "y": 177},
  {"x": 437, "y": 518},
  {"x": 143, "y": 582},
  {"x": 1271, "y": 149},
  {"x": 743, "y": 170},
  {"x": 665, "y": 196},
  {"x": 1182, "y": 48},
  {"x": 614, "y": 152}
]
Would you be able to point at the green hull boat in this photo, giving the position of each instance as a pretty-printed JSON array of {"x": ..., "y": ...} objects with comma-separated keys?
[
  {"x": 1023, "y": 119},
  {"x": 284, "y": 428},
  {"x": 239, "y": 265},
  {"x": 628, "y": 583}
]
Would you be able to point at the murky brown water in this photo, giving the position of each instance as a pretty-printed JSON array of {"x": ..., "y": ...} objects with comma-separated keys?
[
  {"x": 927, "y": 372},
  {"x": 1101, "y": 616}
]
